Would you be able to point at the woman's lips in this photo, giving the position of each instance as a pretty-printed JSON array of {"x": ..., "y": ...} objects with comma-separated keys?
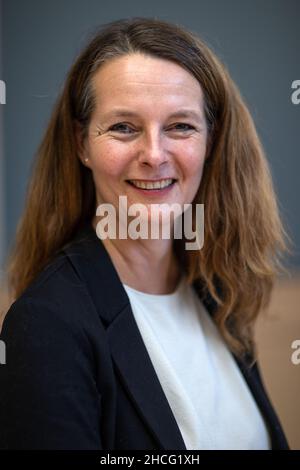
[{"x": 154, "y": 192}]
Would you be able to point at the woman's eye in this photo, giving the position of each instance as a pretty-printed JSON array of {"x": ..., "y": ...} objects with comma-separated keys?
[
  {"x": 118, "y": 128},
  {"x": 125, "y": 129},
  {"x": 187, "y": 127}
]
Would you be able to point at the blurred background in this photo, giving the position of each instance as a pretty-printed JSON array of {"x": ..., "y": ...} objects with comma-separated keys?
[{"x": 259, "y": 41}]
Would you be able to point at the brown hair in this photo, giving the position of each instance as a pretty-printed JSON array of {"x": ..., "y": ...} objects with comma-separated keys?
[{"x": 244, "y": 237}]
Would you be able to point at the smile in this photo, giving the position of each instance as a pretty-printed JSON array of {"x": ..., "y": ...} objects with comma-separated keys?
[{"x": 150, "y": 185}]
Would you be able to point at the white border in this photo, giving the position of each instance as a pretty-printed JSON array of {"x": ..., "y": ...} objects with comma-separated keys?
[{"x": 2, "y": 179}]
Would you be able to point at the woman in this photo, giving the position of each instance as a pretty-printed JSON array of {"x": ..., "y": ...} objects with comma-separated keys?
[{"x": 139, "y": 343}]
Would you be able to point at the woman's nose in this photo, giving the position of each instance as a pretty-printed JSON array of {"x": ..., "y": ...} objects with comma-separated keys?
[{"x": 152, "y": 150}]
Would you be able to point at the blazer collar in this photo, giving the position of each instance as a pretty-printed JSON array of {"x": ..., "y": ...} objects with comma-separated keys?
[{"x": 94, "y": 266}]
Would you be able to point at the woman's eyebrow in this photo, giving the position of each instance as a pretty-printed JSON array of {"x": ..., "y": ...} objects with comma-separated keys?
[{"x": 182, "y": 113}]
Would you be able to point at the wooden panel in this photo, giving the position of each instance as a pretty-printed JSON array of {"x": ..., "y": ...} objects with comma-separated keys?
[{"x": 275, "y": 332}]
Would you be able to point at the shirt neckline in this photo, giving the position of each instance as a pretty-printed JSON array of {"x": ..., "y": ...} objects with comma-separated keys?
[{"x": 158, "y": 296}]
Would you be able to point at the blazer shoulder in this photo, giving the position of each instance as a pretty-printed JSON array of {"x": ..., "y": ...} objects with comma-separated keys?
[
  {"x": 58, "y": 273},
  {"x": 57, "y": 294},
  {"x": 49, "y": 398}
]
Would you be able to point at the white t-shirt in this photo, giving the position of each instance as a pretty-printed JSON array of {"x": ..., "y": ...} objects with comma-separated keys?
[{"x": 207, "y": 393}]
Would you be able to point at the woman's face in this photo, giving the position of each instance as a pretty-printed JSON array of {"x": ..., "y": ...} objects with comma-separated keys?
[{"x": 148, "y": 125}]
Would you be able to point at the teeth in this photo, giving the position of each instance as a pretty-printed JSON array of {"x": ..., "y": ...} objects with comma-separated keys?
[{"x": 152, "y": 185}]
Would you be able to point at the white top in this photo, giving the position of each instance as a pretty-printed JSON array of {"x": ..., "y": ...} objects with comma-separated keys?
[{"x": 205, "y": 388}]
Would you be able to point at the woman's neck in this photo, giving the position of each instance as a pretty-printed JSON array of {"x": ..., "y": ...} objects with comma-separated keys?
[{"x": 146, "y": 265}]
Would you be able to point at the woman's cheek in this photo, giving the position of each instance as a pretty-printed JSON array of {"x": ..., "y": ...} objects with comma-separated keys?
[
  {"x": 109, "y": 160},
  {"x": 193, "y": 164}
]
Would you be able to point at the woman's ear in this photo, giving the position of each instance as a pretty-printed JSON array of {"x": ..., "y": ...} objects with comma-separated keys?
[{"x": 80, "y": 142}]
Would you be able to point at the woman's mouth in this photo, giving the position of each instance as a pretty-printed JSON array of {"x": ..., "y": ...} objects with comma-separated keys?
[{"x": 153, "y": 186}]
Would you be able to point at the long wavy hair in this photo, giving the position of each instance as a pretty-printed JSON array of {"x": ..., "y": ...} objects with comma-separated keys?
[{"x": 244, "y": 237}]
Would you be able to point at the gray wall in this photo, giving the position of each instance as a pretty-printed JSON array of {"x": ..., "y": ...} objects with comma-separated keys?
[{"x": 258, "y": 40}]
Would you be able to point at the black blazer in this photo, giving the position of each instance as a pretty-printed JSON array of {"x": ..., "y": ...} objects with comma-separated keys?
[{"x": 77, "y": 373}]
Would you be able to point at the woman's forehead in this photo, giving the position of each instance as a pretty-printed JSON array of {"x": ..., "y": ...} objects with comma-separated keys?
[
  {"x": 138, "y": 72},
  {"x": 141, "y": 81}
]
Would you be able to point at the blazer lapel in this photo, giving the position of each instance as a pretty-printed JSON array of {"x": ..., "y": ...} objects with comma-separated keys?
[{"x": 94, "y": 266}]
